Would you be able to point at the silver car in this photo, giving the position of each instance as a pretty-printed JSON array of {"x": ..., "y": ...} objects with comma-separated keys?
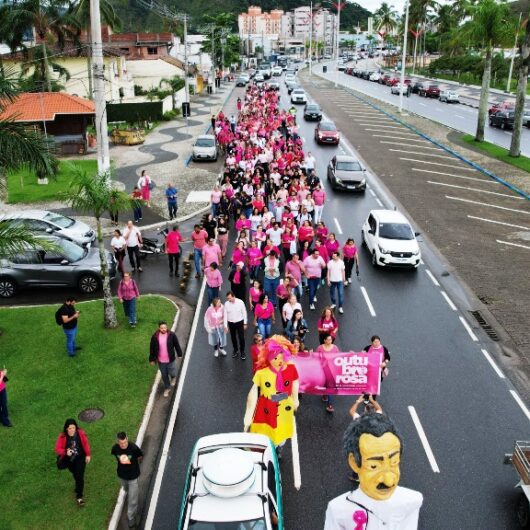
[
  {"x": 67, "y": 265},
  {"x": 205, "y": 148},
  {"x": 449, "y": 96},
  {"x": 346, "y": 173},
  {"x": 53, "y": 223}
]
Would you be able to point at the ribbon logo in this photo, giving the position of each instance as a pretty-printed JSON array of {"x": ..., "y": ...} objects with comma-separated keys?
[{"x": 360, "y": 519}]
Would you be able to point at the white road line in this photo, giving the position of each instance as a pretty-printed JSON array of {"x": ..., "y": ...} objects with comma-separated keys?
[
  {"x": 512, "y": 244},
  {"x": 411, "y": 139},
  {"x": 454, "y": 176},
  {"x": 422, "y": 262},
  {"x": 458, "y": 116},
  {"x": 409, "y": 145},
  {"x": 381, "y": 130},
  {"x": 385, "y": 126},
  {"x": 422, "y": 104},
  {"x": 448, "y": 300},
  {"x": 436, "y": 164},
  {"x": 492, "y": 363},
  {"x": 423, "y": 439},
  {"x": 474, "y": 338},
  {"x": 519, "y": 401},
  {"x": 372, "y": 192},
  {"x": 475, "y": 189},
  {"x": 174, "y": 410},
  {"x": 431, "y": 276},
  {"x": 297, "y": 476},
  {"x": 486, "y": 204},
  {"x": 422, "y": 154},
  {"x": 498, "y": 222},
  {"x": 378, "y": 201},
  {"x": 367, "y": 300},
  {"x": 339, "y": 229}
]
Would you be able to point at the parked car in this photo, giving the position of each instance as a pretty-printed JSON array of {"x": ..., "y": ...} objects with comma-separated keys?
[
  {"x": 67, "y": 265},
  {"x": 246, "y": 75},
  {"x": 503, "y": 105},
  {"x": 383, "y": 79},
  {"x": 204, "y": 148},
  {"x": 341, "y": 67},
  {"x": 526, "y": 118},
  {"x": 366, "y": 74},
  {"x": 396, "y": 89},
  {"x": 349, "y": 70},
  {"x": 390, "y": 240},
  {"x": 417, "y": 86},
  {"x": 449, "y": 96},
  {"x": 298, "y": 95},
  {"x": 312, "y": 112},
  {"x": 277, "y": 71},
  {"x": 327, "y": 133},
  {"x": 430, "y": 91},
  {"x": 259, "y": 78},
  {"x": 347, "y": 173},
  {"x": 375, "y": 76},
  {"x": 289, "y": 78},
  {"x": 503, "y": 119},
  {"x": 233, "y": 482},
  {"x": 45, "y": 222},
  {"x": 241, "y": 81},
  {"x": 394, "y": 80}
]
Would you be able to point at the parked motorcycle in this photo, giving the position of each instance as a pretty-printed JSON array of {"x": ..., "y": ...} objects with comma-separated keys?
[{"x": 152, "y": 245}]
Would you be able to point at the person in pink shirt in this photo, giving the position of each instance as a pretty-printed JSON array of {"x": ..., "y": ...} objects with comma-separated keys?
[
  {"x": 313, "y": 266},
  {"x": 294, "y": 269},
  {"x": 255, "y": 257},
  {"x": 331, "y": 244},
  {"x": 211, "y": 253},
  {"x": 242, "y": 223},
  {"x": 214, "y": 325},
  {"x": 327, "y": 346},
  {"x": 254, "y": 293},
  {"x": 127, "y": 295},
  {"x": 351, "y": 257},
  {"x": 306, "y": 233},
  {"x": 288, "y": 240},
  {"x": 239, "y": 254},
  {"x": 163, "y": 349},
  {"x": 215, "y": 199},
  {"x": 264, "y": 316},
  {"x": 214, "y": 280},
  {"x": 322, "y": 250},
  {"x": 199, "y": 236},
  {"x": 322, "y": 231},
  {"x": 173, "y": 240},
  {"x": 283, "y": 291},
  {"x": 319, "y": 197},
  {"x": 260, "y": 236},
  {"x": 327, "y": 324}
]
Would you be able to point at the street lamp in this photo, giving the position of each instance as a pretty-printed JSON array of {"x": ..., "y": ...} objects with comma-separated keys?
[{"x": 223, "y": 42}]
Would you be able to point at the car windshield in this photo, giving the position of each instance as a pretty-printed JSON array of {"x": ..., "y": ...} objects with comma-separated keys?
[
  {"x": 349, "y": 166},
  {"x": 395, "y": 231},
  {"x": 254, "y": 524},
  {"x": 205, "y": 142},
  {"x": 59, "y": 220},
  {"x": 70, "y": 251},
  {"x": 313, "y": 108},
  {"x": 328, "y": 127},
  {"x": 298, "y": 91},
  {"x": 433, "y": 87}
]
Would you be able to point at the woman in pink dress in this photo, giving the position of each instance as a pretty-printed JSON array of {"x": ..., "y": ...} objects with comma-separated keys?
[
  {"x": 327, "y": 346},
  {"x": 144, "y": 183}
]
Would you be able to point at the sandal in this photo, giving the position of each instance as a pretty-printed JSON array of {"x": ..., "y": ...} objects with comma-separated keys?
[
  {"x": 325, "y": 399},
  {"x": 330, "y": 408},
  {"x": 80, "y": 502}
]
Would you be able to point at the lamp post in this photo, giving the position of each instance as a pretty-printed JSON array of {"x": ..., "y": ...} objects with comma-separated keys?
[
  {"x": 404, "y": 57},
  {"x": 223, "y": 42},
  {"x": 339, "y": 5}
]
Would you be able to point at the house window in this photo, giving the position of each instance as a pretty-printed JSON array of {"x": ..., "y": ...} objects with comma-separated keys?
[{"x": 152, "y": 51}]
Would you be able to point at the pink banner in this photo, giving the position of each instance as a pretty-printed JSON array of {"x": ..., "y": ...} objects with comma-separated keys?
[{"x": 341, "y": 373}]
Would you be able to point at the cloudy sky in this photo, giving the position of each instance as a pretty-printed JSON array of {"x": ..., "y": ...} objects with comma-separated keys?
[{"x": 399, "y": 5}]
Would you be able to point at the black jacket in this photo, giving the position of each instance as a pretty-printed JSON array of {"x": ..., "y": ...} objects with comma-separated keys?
[{"x": 173, "y": 347}]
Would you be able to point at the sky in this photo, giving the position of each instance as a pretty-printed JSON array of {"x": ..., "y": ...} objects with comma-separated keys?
[{"x": 399, "y": 5}]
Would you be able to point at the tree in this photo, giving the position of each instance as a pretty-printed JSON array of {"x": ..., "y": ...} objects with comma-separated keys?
[
  {"x": 385, "y": 18},
  {"x": 490, "y": 27},
  {"x": 92, "y": 195},
  {"x": 175, "y": 83},
  {"x": 515, "y": 145},
  {"x": 34, "y": 76}
]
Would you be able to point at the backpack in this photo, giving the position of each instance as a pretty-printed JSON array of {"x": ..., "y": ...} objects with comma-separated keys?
[{"x": 58, "y": 317}]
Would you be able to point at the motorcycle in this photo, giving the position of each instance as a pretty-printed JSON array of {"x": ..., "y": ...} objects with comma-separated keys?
[{"x": 151, "y": 245}]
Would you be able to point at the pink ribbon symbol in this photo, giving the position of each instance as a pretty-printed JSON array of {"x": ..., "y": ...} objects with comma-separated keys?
[{"x": 360, "y": 519}]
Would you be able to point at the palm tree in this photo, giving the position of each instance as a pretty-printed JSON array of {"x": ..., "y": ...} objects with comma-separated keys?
[
  {"x": 491, "y": 26},
  {"x": 385, "y": 18},
  {"x": 15, "y": 239},
  {"x": 175, "y": 83},
  {"x": 92, "y": 195},
  {"x": 515, "y": 145},
  {"x": 39, "y": 79}
]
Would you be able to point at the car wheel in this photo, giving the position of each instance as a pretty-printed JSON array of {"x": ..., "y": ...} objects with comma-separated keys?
[
  {"x": 374, "y": 259},
  {"x": 503, "y": 125},
  {"x": 8, "y": 288},
  {"x": 491, "y": 123},
  {"x": 363, "y": 241},
  {"x": 88, "y": 284}
]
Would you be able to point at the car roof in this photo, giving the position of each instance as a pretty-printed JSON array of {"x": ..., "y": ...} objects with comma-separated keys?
[
  {"x": 298, "y": 89},
  {"x": 206, "y": 137},
  {"x": 389, "y": 216},
  {"x": 346, "y": 158},
  {"x": 27, "y": 214}
]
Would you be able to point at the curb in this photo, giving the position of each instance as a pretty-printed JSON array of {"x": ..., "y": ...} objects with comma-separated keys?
[{"x": 120, "y": 502}]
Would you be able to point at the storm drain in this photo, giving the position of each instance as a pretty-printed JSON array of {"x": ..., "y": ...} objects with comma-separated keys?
[
  {"x": 490, "y": 332},
  {"x": 91, "y": 415}
]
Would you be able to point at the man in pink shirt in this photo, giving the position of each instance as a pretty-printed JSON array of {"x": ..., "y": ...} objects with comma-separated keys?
[
  {"x": 313, "y": 265},
  {"x": 163, "y": 349},
  {"x": 199, "y": 236},
  {"x": 319, "y": 196},
  {"x": 295, "y": 268},
  {"x": 214, "y": 280},
  {"x": 173, "y": 240},
  {"x": 211, "y": 253}
]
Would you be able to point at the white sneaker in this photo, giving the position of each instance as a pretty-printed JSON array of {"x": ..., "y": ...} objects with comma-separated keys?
[
  {"x": 315, "y": 299},
  {"x": 333, "y": 306},
  {"x": 345, "y": 283},
  {"x": 341, "y": 311},
  {"x": 173, "y": 381},
  {"x": 223, "y": 352},
  {"x": 166, "y": 393},
  {"x": 312, "y": 307},
  {"x": 216, "y": 353}
]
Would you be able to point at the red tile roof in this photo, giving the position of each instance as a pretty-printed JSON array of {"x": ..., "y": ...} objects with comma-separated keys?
[{"x": 44, "y": 106}]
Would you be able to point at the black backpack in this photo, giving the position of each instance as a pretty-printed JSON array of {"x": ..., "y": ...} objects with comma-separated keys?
[{"x": 59, "y": 317}]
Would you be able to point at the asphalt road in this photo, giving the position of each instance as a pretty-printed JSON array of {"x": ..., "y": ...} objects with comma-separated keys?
[
  {"x": 468, "y": 414},
  {"x": 458, "y": 117}
]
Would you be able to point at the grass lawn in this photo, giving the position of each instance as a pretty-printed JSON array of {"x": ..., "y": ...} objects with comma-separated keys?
[
  {"x": 22, "y": 186},
  {"x": 45, "y": 387},
  {"x": 500, "y": 153}
]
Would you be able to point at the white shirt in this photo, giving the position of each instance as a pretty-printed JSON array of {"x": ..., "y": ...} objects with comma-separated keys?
[
  {"x": 335, "y": 270},
  {"x": 309, "y": 162},
  {"x": 132, "y": 236},
  {"x": 118, "y": 242},
  {"x": 289, "y": 309},
  {"x": 275, "y": 236},
  {"x": 235, "y": 312},
  {"x": 400, "y": 512}
]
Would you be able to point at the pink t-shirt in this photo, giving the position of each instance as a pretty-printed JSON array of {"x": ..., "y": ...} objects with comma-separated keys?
[
  {"x": 294, "y": 270},
  {"x": 255, "y": 294},
  {"x": 163, "y": 355},
  {"x": 254, "y": 256},
  {"x": 319, "y": 196},
  {"x": 262, "y": 312},
  {"x": 172, "y": 242},
  {"x": 216, "y": 197},
  {"x": 211, "y": 254},
  {"x": 199, "y": 239},
  {"x": 213, "y": 277},
  {"x": 349, "y": 251},
  {"x": 314, "y": 267},
  {"x": 333, "y": 349}
]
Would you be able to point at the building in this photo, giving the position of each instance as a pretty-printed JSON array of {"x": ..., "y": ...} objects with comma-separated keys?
[{"x": 259, "y": 30}]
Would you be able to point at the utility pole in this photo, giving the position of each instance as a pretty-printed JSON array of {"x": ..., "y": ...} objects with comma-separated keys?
[
  {"x": 99, "y": 90},
  {"x": 513, "y": 55},
  {"x": 403, "y": 58},
  {"x": 186, "y": 81},
  {"x": 311, "y": 39},
  {"x": 338, "y": 5}
]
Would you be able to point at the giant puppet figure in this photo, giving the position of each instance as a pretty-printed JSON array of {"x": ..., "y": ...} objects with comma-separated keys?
[
  {"x": 273, "y": 398},
  {"x": 374, "y": 451}
]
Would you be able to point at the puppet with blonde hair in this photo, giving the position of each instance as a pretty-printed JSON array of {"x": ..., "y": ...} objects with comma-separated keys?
[{"x": 273, "y": 398}]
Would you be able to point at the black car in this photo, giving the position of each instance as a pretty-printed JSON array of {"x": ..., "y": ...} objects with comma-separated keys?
[
  {"x": 417, "y": 86},
  {"x": 312, "y": 112},
  {"x": 503, "y": 119},
  {"x": 366, "y": 74}
]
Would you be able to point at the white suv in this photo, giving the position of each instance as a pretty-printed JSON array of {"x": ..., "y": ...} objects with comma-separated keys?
[{"x": 390, "y": 240}]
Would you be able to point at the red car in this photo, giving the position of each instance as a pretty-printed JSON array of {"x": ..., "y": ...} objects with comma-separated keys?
[
  {"x": 349, "y": 70},
  {"x": 383, "y": 79},
  {"x": 430, "y": 91},
  {"x": 326, "y": 133},
  {"x": 392, "y": 81},
  {"x": 503, "y": 105}
]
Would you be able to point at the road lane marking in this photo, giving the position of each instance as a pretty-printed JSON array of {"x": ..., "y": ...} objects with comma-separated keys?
[
  {"x": 519, "y": 401},
  {"x": 512, "y": 244},
  {"x": 475, "y": 189},
  {"x": 474, "y": 338},
  {"x": 498, "y": 222},
  {"x": 431, "y": 276},
  {"x": 174, "y": 410},
  {"x": 423, "y": 439},
  {"x": 436, "y": 164},
  {"x": 487, "y": 204},
  {"x": 492, "y": 363},
  {"x": 448, "y": 300},
  {"x": 372, "y": 192},
  {"x": 454, "y": 176},
  {"x": 409, "y": 145},
  {"x": 367, "y": 300},
  {"x": 422, "y": 104},
  {"x": 339, "y": 229},
  {"x": 385, "y": 126},
  {"x": 412, "y": 139},
  {"x": 458, "y": 116},
  {"x": 378, "y": 201},
  {"x": 297, "y": 476},
  {"x": 422, "y": 154}
]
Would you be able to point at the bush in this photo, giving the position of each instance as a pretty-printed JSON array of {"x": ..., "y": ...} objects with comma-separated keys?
[
  {"x": 171, "y": 115},
  {"x": 139, "y": 91}
]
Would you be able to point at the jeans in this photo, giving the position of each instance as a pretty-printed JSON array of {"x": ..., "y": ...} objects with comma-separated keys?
[
  {"x": 215, "y": 208},
  {"x": 137, "y": 213},
  {"x": 173, "y": 259},
  {"x": 254, "y": 272},
  {"x": 70, "y": 340},
  {"x": 269, "y": 286},
  {"x": 134, "y": 256},
  {"x": 167, "y": 370},
  {"x": 313, "y": 286},
  {"x": 131, "y": 488},
  {"x": 77, "y": 468},
  {"x": 172, "y": 209},
  {"x": 213, "y": 292},
  {"x": 298, "y": 291},
  {"x": 197, "y": 258},
  {"x": 237, "y": 335},
  {"x": 4, "y": 414},
  {"x": 129, "y": 308},
  {"x": 336, "y": 287},
  {"x": 265, "y": 327}
]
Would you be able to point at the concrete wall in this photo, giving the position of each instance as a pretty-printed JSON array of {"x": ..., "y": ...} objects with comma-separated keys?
[{"x": 148, "y": 74}]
